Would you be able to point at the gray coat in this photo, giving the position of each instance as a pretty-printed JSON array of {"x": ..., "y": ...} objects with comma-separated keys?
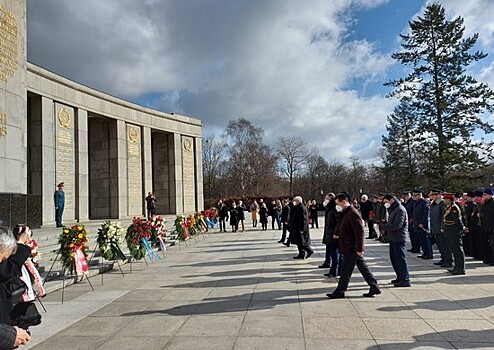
[
  {"x": 437, "y": 216},
  {"x": 397, "y": 225}
]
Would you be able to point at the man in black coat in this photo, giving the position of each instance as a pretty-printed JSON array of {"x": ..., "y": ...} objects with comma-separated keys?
[
  {"x": 367, "y": 210},
  {"x": 397, "y": 229},
  {"x": 299, "y": 229},
  {"x": 487, "y": 227},
  {"x": 351, "y": 238},
  {"x": 285, "y": 217}
]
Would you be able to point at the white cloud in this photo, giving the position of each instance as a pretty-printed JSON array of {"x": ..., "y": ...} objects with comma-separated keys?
[{"x": 282, "y": 64}]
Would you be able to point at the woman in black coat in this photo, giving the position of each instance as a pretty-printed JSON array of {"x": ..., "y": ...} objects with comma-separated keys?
[
  {"x": 263, "y": 213},
  {"x": 233, "y": 217}
]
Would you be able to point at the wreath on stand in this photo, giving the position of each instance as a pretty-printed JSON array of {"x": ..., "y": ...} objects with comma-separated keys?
[
  {"x": 110, "y": 237},
  {"x": 180, "y": 226},
  {"x": 71, "y": 241},
  {"x": 158, "y": 230},
  {"x": 138, "y": 230}
]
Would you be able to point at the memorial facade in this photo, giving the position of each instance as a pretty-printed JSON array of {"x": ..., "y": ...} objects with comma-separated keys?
[{"x": 109, "y": 152}]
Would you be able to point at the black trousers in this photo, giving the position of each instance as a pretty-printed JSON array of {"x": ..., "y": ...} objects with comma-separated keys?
[
  {"x": 348, "y": 265},
  {"x": 283, "y": 235}
]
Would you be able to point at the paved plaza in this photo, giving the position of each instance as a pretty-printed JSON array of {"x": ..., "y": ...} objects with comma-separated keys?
[{"x": 244, "y": 291}]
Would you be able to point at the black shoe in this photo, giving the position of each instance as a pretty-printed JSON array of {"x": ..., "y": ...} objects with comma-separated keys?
[
  {"x": 286, "y": 243},
  {"x": 394, "y": 281},
  {"x": 455, "y": 273},
  {"x": 324, "y": 266},
  {"x": 309, "y": 253},
  {"x": 336, "y": 295},
  {"x": 299, "y": 257},
  {"x": 371, "y": 293},
  {"x": 427, "y": 257},
  {"x": 281, "y": 241},
  {"x": 402, "y": 284},
  {"x": 327, "y": 274},
  {"x": 440, "y": 262}
]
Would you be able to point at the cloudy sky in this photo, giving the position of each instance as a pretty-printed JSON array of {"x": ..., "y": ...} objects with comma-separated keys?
[{"x": 311, "y": 68}]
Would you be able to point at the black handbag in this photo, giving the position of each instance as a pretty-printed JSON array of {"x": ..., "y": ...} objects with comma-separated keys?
[{"x": 16, "y": 288}]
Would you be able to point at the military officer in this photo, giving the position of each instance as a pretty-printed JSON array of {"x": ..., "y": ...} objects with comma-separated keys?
[
  {"x": 453, "y": 227},
  {"x": 59, "y": 199}
]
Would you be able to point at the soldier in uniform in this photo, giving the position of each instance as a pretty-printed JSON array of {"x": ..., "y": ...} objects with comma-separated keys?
[
  {"x": 421, "y": 223},
  {"x": 438, "y": 208},
  {"x": 59, "y": 198},
  {"x": 453, "y": 227}
]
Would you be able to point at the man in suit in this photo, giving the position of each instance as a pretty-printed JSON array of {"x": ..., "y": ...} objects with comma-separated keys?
[
  {"x": 421, "y": 211},
  {"x": 351, "y": 234}
]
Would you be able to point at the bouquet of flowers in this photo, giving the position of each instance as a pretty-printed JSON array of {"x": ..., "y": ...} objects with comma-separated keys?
[
  {"x": 200, "y": 223},
  {"x": 181, "y": 228},
  {"x": 110, "y": 236},
  {"x": 211, "y": 214},
  {"x": 34, "y": 252},
  {"x": 157, "y": 225},
  {"x": 138, "y": 229},
  {"x": 71, "y": 240}
]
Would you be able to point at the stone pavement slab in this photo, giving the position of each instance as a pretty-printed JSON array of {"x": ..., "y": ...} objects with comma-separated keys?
[{"x": 244, "y": 291}]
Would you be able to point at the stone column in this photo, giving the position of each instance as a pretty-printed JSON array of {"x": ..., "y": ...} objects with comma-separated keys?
[
  {"x": 134, "y": 170},
  {"x": 198, "y": 173},
  {"x": 48, "y": 142},
  {"x": 176, "y": 183},
  {"x": 119, "y": 178},
  {"x": 188, "y": 174},
  {"x": 147, "y": 163},
  {"x": 65, "y": 157},
  {"x": 81, "y": 167},
  {"x": 13, "y": 105}
]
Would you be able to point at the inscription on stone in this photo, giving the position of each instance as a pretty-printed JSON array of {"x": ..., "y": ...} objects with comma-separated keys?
[
  {"x": 134, "y": 171},
  {"x": 188, "y": 174},
  {"x": 65, "y": 162},
  {"x": 3, "y": 124},
  {"x": 9, "y": 44}
]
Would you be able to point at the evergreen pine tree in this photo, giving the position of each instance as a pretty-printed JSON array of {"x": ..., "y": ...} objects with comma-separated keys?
[{"x": 448, "y": 103}]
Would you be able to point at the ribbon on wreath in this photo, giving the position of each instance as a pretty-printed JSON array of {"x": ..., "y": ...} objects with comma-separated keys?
[
  {"x": 186, "y": 231},
  {"x": 81, "y": 266},
  {"x": 149, "y": 250},
  {"x": 162, "y": 243},
  {"x": 33, "y": 271},
  {"x": 204, "y": 225}
]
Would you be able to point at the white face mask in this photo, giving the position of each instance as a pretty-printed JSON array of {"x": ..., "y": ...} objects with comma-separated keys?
[
  {"x": 387, "y": 205},
  {"x": 325, "y": 202},
  {"x": 295, "y": 203},
  {"x": 339, "y": 208}
]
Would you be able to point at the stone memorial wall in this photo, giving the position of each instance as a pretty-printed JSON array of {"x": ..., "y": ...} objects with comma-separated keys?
[
  {"x": 188, "y": 174},
  {"x": 134, "y": 170}
]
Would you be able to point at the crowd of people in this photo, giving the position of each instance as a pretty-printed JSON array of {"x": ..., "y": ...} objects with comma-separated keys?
[
  {"x": 17, "y": 311},
  {"x": 459, "y": 224}
]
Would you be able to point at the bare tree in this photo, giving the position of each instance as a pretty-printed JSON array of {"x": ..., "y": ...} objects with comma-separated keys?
[
  {"x": 212, "y": 155},
  {"x": 293, "y": 152},
  {"x": 316, "y": 171}
]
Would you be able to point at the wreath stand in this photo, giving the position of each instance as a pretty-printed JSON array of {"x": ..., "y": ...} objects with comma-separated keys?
[
  {"x": 63, "y": 272},
  {"x": 99, "y": 263}
]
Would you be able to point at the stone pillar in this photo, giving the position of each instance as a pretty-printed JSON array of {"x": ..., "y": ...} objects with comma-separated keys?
[
  {"x": 134, "y": 170},
  {"x": 188, "y": 174},
  {"x": 147, "y": 163},
  {"x": 48, "y": 146},
  {"x": 176, "y": 183},
  {"x": 81, "y": 167},
  {"x": 13, "y": 105},
  {"x": 198, "y": 173},
  {"x": 119, "y": 171}
]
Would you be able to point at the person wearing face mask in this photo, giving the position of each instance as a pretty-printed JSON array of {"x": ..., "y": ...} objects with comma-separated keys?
[
  {"x": 397, "y": 229},
  {"x": 299, "y": 229},
  {"x": 351, "y": 239}
]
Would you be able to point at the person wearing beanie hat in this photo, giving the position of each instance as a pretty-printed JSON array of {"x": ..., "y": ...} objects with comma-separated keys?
[{"x": 487, "y": 227}]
